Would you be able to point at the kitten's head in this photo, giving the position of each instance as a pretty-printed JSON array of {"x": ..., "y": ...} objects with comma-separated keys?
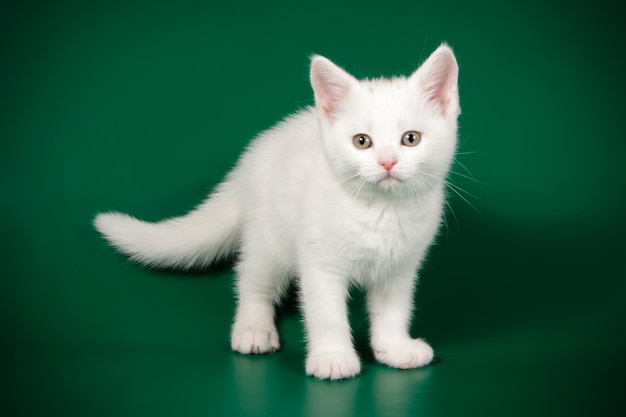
[{"x": 394, "y": 136}]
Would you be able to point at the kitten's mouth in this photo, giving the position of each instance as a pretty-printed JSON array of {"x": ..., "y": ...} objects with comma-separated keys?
[{"x": 389, "y": 180}]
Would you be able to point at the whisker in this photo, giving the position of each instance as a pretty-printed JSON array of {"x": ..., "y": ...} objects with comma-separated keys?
[
  {"x": 354, "y": 189},
  {"x": 429, "y": 174},
  {"x": 452, "y": 185},
  {"x": 348, "y": 178},
  {"x": 462, "y": 165},
  {"x": 420, "y": 187},
  {"x": 445, "y": 220},
  {"x": 463, "y": 198},
  {"x": 472, "y": 153},
  {"x": 360, "y": 186},
  {"x": 413, "y": 188},
  {"x": 468, "y": 177},
  {"x": 455, "y": 188},
  {"x": 462, "y": 142}
]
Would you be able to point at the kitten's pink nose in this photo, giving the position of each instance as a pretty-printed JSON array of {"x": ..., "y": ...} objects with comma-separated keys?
[{"x": 388, "y": 164}]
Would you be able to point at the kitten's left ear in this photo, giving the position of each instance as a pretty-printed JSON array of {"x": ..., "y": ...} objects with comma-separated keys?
[
  {"x": 331, "y": 85},
  {"x": 437, "y": 77}
]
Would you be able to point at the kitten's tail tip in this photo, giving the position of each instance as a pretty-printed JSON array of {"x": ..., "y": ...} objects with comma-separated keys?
[
  {"x": 108, "y": 222},
  {"x": 132, "y": 237}
]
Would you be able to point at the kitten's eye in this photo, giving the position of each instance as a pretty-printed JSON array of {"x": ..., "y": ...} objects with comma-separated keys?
[
  {"x": 362, "y": 141},
  {"x": 411, "y": 138}
]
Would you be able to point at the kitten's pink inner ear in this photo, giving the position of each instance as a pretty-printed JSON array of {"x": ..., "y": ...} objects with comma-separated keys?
[
  {"x": 331, "y": 85},
  {"x": 438, "y": 79}
]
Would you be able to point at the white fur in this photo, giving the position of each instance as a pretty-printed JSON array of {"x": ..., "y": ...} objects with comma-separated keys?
[{"x": 304, "y": 202}]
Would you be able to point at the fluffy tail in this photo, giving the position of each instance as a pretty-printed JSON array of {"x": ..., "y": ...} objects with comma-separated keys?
[{"x": 207, "y": 234}]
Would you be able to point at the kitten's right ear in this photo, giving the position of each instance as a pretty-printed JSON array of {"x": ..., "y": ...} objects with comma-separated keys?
[{"x": 331, "y": 85}]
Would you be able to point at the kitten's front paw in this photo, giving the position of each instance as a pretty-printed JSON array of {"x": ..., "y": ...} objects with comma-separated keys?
[
  {"x": 335, "y": 365},
  {"x": 254, "y": 341},
  {"x": 405, "y": 354}
]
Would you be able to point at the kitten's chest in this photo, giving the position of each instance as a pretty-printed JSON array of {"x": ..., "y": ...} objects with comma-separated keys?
[
  {"x": 379, "y": 230},
  {"x": 369, "y": 240}
]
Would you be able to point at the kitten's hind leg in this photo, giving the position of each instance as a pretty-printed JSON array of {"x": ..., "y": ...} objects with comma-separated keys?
[{"x": 260, "y": 285}]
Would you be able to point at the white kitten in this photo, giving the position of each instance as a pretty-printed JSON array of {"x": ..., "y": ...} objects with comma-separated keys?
[{"x": 349, "y": 191}]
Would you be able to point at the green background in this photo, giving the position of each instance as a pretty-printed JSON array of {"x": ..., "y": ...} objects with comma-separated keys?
[{"x": 143, "y": 107}]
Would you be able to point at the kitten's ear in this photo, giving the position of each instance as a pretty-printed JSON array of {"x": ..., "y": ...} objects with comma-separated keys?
[
  {"x": 331, "y": 85},
  {"x": 438, "y": 77}
]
